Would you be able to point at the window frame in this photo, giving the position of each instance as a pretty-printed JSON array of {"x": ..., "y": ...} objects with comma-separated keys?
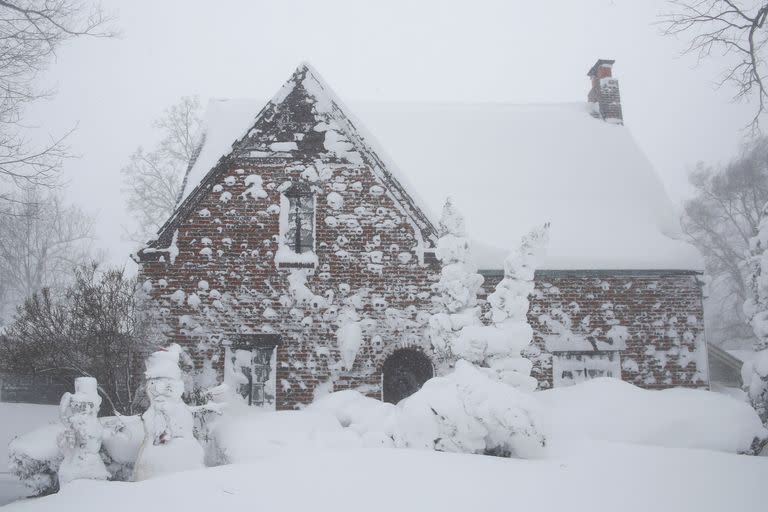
[{"x": 297, "y": 193}]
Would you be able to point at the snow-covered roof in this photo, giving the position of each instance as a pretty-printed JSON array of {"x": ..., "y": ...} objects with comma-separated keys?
[{"x": 510, "y": 168}]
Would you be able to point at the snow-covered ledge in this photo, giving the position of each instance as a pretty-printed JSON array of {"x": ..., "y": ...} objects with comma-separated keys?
[{"x": 286, "y": 258}]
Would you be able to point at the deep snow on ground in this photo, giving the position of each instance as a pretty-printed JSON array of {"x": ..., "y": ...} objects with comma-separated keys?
[
  {"x": 607, "y": 409},
  {"x": 591, "y": 477},
  {"x": 610, "y": 446},
  {"x": 17, "y": 419}
]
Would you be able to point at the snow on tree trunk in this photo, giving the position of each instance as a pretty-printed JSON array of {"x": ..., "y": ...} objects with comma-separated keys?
[
  {"x": 455, "y": 294},
  {"x": 509, "y": 312},
  {"x": 80, "y": 441},
  {"x": 169, "y": 442},
  {"x": 755, "y": 372}
]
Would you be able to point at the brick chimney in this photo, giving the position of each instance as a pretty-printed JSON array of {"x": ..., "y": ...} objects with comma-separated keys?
[{"x": 604, "y": 95}]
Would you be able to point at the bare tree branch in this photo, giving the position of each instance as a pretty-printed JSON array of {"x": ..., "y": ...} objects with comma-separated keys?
[
  {"x": 41, "y": 242},
  {"x": 96, "y": 327},
  {"x": 154, "y": 181},
  {"x": 730, "y": 28},
  {"x": 720, "y": 220},
  {"x": 31, "y": 31}
]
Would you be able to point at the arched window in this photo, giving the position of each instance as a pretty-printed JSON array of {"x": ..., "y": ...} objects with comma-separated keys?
[{"x": 299, "y": 233}]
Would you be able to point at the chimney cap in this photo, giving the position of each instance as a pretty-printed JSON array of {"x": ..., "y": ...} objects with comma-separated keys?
[{"x": 599, "y": 63}]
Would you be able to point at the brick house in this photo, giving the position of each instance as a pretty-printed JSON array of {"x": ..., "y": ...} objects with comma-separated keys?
[{"x": 293, "y": 218}]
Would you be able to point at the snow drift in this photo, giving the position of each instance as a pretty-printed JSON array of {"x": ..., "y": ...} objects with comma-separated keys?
[
  {"x": 612, "y": 410},
  {"x": 601, "y": 478}
]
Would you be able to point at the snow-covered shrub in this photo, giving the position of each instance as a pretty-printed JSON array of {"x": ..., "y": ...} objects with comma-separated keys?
[
  {"x": 455, "y": 294},
  {"x": 755, "y": 372},
  {"x": 245, "y": 434},
  {"x": 467, "y": 411},
  {"x": 35, "y": 457},
  {"x": 373, "y": 420}
]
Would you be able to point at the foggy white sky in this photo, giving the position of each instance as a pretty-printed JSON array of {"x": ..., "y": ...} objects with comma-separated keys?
[{"x": 510, "y": 51}]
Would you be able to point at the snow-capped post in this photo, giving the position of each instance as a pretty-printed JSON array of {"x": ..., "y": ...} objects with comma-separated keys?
[
  {"x": 169, "y": 442},
  {"x": 455, "y": 295},
  {"x": 755, "y": 372},
  {"x": 80, "y": 441},
  {"x": 509, "y": 311}
]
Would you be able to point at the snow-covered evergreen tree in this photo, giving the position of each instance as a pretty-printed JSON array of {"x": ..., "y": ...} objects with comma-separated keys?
[
  {"x": 509, "y": 310},
  {"x": 755, "y": 372},
  {"x": 455, "y": 295}
]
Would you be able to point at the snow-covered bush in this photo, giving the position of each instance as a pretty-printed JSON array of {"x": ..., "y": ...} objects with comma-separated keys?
[
  {"x": 755, "y": 372},
  {"x": 246, "y": 434},
  {"x": 35, "y": 457},
  {"x": 455, "y": 294},
  {"x": 467, "y": 411},
  {"x": 470, "y": 412},
  {"x": 371, "y": 419}
]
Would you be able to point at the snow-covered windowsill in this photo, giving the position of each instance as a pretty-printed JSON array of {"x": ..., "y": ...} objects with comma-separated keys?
[{"x": 286, "y": 258}]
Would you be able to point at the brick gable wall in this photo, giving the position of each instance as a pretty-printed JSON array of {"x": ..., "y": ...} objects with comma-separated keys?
[{"x": 367, "y": 244}]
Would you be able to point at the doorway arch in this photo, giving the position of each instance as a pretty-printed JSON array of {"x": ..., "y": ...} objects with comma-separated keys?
[{"x": 403, "y": 373}]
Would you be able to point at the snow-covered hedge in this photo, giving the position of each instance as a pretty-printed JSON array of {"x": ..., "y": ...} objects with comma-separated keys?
[
  {"x": 607, "y": 409},
  {"x": 34, "y": 457}
]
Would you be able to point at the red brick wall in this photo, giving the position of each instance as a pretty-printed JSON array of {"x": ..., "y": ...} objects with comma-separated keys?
[
  {"x": 244, "y": 235},
  {"x": 662, "y": 312}
]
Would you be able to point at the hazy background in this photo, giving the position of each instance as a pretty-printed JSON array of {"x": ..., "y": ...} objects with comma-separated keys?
[{"x": 520, "y": 52}]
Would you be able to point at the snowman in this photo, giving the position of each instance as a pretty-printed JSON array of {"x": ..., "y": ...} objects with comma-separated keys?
[
  {"x": 80, "y": 441},
  {"x": 169, "y": 443}
]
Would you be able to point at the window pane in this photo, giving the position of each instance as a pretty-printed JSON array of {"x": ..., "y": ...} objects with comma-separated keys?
[{"x": 301, "y": 219}]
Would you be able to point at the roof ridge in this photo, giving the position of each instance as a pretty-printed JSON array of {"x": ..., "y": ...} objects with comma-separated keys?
[{"x": 326, "y": 104}]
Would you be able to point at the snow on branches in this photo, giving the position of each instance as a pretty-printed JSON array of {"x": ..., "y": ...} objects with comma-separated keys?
[
  {"x": 755, "y": 372},
  {"x": 455, "y": 294},
  {"x": 455, "y": 328},
  {"x": 509, "y": 310}
]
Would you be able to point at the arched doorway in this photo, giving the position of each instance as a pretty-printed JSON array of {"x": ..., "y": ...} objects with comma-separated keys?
[{"x": 404, "y": 372}]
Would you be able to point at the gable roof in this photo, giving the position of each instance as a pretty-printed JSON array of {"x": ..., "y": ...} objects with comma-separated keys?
[
  {"x": 512, "y": 167},
  {"x": 304, "y": 122},
  {"x": 509, "y": 168}
]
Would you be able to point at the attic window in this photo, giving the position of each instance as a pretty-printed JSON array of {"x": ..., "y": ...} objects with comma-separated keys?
[
  {"x": 299, "y": 233},
  {"x": 297, "y": 228}
]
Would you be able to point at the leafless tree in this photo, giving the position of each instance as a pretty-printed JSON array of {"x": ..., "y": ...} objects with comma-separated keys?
[
  {"x": 720, "y": 220},
  {"x": 733, "y": 28},
  {"x": 31, "y": 31},
  {"x": 96, "y": 327},
  {"x": 155, "y": 180},
  {"x": 41, "y": 241}
]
